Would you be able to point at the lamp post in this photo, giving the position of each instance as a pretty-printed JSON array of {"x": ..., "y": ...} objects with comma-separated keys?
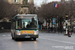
[{"x": 66, "y": 24}]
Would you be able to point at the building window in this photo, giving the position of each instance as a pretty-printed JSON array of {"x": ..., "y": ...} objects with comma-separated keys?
[{"x": 16, "y": 0}]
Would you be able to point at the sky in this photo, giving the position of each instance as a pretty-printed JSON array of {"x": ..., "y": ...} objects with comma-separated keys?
[{"x": 39, "y": 2}]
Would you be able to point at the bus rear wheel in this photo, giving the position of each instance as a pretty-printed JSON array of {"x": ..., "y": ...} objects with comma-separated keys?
[{"x": 12, "y": 37}]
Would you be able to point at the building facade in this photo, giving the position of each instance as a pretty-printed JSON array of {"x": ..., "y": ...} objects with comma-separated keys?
[
  {"x": 21, "y": 5},
  {"x": 67, "y": 0},
  {"x": 15, "y": 1}
]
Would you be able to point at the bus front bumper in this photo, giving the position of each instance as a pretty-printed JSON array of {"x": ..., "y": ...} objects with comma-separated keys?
[{"x": 26, "y": 36}]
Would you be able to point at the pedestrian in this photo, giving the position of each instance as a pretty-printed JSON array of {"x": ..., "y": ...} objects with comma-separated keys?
[{"x": 49, "y": 29}]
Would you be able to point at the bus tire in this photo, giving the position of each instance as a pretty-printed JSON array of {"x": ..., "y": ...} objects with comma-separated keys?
[
  {"x": 12, "y": 37},
  {"x": 15, "y": 39},
  {"x": 34, "y": 39}
]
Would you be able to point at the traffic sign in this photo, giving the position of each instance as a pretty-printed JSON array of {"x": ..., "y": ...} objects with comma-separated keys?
[
  {"x": 66, "y": 15},
  {"x": 54, "y": 21}
]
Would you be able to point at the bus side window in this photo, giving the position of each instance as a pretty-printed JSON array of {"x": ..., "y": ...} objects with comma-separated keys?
[
  {"x": 13, "y": 25},
  {"x": 18, "y": 24}
]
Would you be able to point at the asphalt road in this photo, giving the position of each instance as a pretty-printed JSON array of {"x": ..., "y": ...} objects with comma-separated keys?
[{"x": 46, "y": 41}]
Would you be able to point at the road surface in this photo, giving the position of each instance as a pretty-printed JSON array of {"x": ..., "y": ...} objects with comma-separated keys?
[{"x": 46, "y": 41}]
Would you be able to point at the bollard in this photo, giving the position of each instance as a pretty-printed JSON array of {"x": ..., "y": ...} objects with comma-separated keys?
[
  {"x": 69, "y": 31},
  {"x": 69, "y": 34}
]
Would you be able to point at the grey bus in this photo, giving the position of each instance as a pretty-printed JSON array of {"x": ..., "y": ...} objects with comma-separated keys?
[{"x": 24, "y": 26}]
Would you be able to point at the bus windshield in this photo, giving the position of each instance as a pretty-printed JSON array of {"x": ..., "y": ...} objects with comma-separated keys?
[{"x": 27, "y": 24}]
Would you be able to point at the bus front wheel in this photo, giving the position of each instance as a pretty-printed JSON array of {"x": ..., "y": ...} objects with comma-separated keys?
[
  {"x": 34, "y": 39},
  {"x": 15, "y": 39}
]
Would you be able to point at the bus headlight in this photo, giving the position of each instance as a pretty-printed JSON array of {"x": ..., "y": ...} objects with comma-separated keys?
[
  {"x": 18, "y": 32},
  {"x": 35, "y": 32}
]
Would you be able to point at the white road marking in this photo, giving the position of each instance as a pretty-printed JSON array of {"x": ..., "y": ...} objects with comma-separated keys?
[
  {"x": 58, "y": 40},
  {"x": 3, "y": 35},
  {"x": 8, "y": 35}
]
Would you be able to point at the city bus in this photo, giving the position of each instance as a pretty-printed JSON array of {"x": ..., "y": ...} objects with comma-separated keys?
[{"x": 24, "y": 26}]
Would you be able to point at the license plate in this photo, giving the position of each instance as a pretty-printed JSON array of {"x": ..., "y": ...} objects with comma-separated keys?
[{"x": 27, "y": 36}]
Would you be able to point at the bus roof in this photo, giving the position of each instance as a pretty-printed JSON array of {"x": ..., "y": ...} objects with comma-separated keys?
[{"x": 25, "y": 15}]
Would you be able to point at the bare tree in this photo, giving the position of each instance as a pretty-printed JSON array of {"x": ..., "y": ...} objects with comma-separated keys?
[
  {"x": 48, "y": 10},
  {"x": 7, "y": 10},
  {"x": 31, "y": 9}
]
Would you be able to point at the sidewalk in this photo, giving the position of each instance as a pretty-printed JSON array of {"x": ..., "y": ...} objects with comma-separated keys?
[
  {"x": 46, "y": 31},
  {"x": 5, "y": 30}
]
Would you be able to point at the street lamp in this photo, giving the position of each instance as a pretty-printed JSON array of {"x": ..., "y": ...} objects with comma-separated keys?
[{"x": 66, "y": 24}]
